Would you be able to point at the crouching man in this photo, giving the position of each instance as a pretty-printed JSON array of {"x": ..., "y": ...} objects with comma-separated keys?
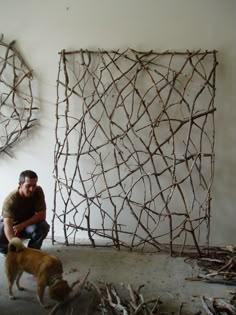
[{"x": 24, "y": 213}]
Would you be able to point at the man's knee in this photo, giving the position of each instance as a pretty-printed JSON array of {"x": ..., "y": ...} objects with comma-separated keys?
[
  {"x": 44, "y": 227},
  {"x": 40, "y": 229}
]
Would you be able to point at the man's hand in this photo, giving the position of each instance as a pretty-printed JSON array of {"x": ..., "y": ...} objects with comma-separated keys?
[
  {"x": 18, "y": 228},
  {"x": 12, "y": 231}
]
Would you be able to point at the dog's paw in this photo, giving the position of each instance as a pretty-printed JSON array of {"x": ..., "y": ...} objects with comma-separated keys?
[{"x": 21, "y": 288}]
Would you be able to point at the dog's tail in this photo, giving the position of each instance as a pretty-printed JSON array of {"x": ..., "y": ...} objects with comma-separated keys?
[{"x": 15, "y": 245}]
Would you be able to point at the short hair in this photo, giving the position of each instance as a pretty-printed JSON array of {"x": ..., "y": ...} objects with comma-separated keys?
[{"x": 27, "y": 173}]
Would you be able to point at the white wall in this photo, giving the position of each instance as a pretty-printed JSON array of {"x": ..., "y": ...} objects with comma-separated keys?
[{"x": 42, "y": 28}]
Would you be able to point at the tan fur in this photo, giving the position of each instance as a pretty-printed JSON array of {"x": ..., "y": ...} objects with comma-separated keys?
[{"x": 46, "y": 268}]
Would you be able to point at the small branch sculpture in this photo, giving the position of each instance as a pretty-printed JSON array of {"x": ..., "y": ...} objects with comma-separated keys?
[
  {"x": 16, "y": 97},
  {"x": 134, "y": 152}
]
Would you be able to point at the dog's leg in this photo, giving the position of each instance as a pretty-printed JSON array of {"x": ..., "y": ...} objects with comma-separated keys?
[
  {"x": 11, "y": 296},
  {"x": 40, "y": 293},
  {"x": 11, "y": 276},
  {"x": 18, "y": 281}
]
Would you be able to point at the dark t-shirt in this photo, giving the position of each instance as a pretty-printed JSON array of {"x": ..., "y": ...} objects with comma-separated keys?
[{"x": 22, "y": 208}]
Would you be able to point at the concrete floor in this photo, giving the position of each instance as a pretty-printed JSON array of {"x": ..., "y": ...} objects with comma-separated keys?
[{"x": 162, "y": 276}]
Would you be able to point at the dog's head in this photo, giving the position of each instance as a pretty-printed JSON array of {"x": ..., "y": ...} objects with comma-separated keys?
[{"x": 60, "y": 290}]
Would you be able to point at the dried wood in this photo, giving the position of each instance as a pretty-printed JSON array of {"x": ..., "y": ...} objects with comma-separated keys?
[
  {"x": 221, "y": 270},
  {"x": 17, "y": 110},
  {"x": 131, "y": 302},
  {"x": 142, "y": 121},
  {"x": 217, "y": 306}
]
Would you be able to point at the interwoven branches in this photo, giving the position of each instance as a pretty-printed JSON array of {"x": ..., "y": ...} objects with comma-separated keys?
[
  {"x": 16, "y": 97},
  {"x": 134, "y": 153}
]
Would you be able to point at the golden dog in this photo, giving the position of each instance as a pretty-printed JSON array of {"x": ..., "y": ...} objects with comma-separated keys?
[{"x": 46, "y": 268}]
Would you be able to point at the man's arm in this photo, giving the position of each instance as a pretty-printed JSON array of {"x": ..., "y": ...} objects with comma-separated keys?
[
  {"x": 8, "y": 228},
  {"x": 36, "y": 218}
]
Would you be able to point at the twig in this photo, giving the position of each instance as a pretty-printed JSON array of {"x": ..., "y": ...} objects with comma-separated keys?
[
  {"x": 211, "y": 280},
  {"x": 205, "y": 306}
]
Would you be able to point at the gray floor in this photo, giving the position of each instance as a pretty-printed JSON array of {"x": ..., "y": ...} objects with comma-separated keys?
[{"x": 162, "y": 276}]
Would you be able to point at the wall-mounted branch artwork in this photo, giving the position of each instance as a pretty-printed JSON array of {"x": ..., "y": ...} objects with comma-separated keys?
[
  {"x": 134, "y": 153},
  {"x": 16, "y": 97}
]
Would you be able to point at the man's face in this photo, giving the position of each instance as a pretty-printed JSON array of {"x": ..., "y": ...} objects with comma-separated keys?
[{"x": 28, "y": 187}]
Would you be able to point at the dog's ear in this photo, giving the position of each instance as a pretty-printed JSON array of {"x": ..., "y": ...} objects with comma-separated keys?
[{"x": 60, "y": 291}]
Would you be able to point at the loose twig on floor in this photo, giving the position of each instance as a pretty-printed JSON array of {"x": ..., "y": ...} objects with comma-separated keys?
[{"x": 217, "y": 306}]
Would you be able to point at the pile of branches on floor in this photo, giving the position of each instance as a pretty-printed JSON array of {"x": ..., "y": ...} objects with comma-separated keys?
[
  {"x": 219, "y": 266},
  {"x": 129, "y": 301},
  {"x": 108, "y": 300}
]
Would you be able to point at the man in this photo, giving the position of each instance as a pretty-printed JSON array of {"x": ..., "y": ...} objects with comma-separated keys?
[{"x": 24, "y": 213}]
